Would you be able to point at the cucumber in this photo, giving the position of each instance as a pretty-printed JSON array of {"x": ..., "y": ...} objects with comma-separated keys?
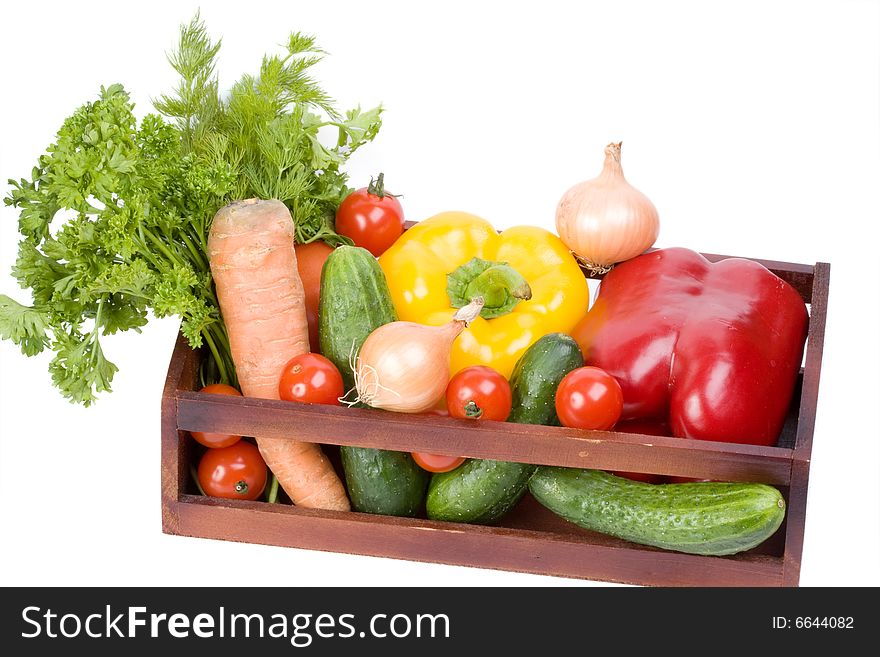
[
  {"x": 705, "y": 518},
  {"x": 482, "y": 490},
  {"x": 384, "y": 482},
  {"x": 355, "y": 301},
  {"x": 537, "y": 375}
]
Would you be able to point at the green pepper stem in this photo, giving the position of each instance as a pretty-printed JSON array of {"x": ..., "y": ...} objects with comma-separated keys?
[{"x": 497, "y": 284}]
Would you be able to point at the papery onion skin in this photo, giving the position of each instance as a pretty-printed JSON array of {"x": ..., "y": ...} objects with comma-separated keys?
[
  {"x": 404, "y": 366},
  {"x": 410, "y": 365},
  {"x": 606, "y": 220}
]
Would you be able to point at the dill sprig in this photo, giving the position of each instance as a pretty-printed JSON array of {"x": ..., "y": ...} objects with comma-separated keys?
[{"x": 138, "y": 199}]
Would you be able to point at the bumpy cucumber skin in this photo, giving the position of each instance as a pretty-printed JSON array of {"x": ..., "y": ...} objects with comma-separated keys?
[
  {"x": 384, "y": 482},
  {"x": 355, "y": 301},
  {"x": 698, "y": 518},
  {"x": 478, "y": 491},
  {"x": 482, "y": 490},
  {"x": 536, "y": 376}
]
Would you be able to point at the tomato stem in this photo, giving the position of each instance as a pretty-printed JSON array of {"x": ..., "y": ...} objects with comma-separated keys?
[
  {"x": 472, "y": 410},
  {"x": 241, "y": 487},
  {"x": 377, "y": 188}
]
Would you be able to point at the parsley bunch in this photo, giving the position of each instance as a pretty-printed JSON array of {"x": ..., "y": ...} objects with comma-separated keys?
[{"x": 135, "y": 203}]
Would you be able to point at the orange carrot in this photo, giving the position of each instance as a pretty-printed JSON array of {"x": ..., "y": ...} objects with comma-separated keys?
[{"x": 253, "y": 262}]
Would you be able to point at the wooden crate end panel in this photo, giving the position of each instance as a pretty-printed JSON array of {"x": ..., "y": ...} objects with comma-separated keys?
[{"x": 474, "y": 546}]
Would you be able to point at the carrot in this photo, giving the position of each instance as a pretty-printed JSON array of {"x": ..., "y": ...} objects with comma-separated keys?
[{"x": 253, "y": 262}]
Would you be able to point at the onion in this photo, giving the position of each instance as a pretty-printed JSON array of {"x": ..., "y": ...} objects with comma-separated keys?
[
  {"x": 404, "y": 366},
  {"x": 606, "y": 220}
]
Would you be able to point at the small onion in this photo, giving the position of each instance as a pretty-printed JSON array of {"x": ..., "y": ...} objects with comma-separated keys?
[
  {"x": 404, "y": 366},
  {"x": 606, "y": 220}
]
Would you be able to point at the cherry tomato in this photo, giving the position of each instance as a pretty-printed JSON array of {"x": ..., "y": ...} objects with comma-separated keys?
[
  {"x": 589, "y": 398},
  {"x": 311, "y": 378},
  {"x": 479, "y": 392},
  {"x": 310, "y": 260},
  {"x": 371, "y": 217},
  {"x": 437, "y": 462},
  {"x": 235, "y": 472},
  {"x": 217, "y": 439}
]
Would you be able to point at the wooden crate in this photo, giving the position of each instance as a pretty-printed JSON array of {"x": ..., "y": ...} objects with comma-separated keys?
[{"x": 530, "y": 539}]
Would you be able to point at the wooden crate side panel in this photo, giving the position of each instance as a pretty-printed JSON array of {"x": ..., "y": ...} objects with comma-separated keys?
[
  {"x": 173, "y": 461},
  {"x": 487, "y": 547},
  {"x": 813, "y": 363},
  {"x": 800, "y": 472},
  {"x": 499, "y": 440},
  {"x": 796, "y": 516}
]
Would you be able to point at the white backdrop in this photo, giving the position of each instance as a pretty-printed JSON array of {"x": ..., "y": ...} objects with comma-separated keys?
[{"x": 753, "y": 126}]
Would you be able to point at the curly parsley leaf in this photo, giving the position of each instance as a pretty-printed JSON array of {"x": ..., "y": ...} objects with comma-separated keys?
[
  {"x": 24, "y": 325},
  {"x": 137, "y": 199}
]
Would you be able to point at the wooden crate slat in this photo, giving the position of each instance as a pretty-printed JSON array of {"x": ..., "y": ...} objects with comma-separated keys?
[
  {"x": 813, "y": 366},
  {"x": 473, "y": 545},
  {"x": 524, "y": 443},
  {"x": 800, "y": 473}
]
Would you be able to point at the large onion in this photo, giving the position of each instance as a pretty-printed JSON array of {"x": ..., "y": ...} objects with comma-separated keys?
[
  {"x": 404, "y": 366},
  {"x": 606, "y": 220}
]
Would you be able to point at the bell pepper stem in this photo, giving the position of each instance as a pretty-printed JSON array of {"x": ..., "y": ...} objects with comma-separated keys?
[{"x": 497, "y": 284}]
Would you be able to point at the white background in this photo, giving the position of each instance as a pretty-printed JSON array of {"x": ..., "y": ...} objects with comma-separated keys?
[{"x": 753, "y": 126}]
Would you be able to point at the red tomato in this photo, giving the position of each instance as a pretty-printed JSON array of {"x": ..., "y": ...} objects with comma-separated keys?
[
  {"x": 371, "y": 217},
  {"x": 310, "y": 260},
  {"x": 589, "y": 398},
  {"x": 437, "y": 462},
  {"x": 311, "y": 378},
  {"x": 479, "y": 392},
  {"x": 235, "y": 472},
  {"x": 217, "y": 439}
]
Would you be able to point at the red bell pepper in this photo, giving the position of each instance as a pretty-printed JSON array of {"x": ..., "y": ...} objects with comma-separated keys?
[{"x": 712, "y": 348}]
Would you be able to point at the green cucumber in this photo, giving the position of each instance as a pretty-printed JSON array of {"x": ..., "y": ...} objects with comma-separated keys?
[
  {"x": 384, "y": 482},
  {"x": 705, "y": 518},
  {"x": 482, "y": 490},
  {"x": 537, "y": 375},
  {"x": 355, "y": 301}
]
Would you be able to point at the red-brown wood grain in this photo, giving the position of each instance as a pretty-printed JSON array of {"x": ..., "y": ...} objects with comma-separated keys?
[
  {"x": 520, "y": 550},
  {"x": 802, "y": 453},
  {"x": 530, "y": 539},
  {"x": 606, "y": 450}
]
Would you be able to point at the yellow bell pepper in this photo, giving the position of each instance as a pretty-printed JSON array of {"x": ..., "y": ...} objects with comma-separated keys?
[{"x": 552, "y": 297}]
